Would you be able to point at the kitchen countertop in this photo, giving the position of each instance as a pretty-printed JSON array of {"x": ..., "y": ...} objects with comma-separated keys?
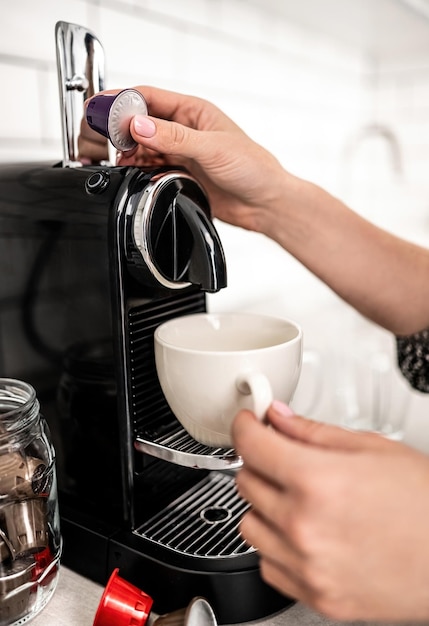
[{"x": 76, "y": 599}]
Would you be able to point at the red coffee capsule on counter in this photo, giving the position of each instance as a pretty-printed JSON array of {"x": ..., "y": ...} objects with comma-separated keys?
[
  {"x": 111, "y": 115},
  {"x": 122, "y": 604}
]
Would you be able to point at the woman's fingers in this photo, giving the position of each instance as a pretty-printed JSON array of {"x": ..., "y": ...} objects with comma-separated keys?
[
  {"x": 322, "y": 434},
  {"x": 268, "y": 500},
  {"x": 274, "y": 552},
  {"x": 266, "y": 452}
]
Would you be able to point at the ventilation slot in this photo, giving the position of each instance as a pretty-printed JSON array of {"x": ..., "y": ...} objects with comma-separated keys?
[{"x": 148, "y": 405}]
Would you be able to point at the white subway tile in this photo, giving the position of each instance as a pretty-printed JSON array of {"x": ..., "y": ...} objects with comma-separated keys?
[
  {"x": 132, "y": 45},
  {"x": 20, "y": 117},
  {"x": 51, "y": 109},
  {"x": 29, "y": 151},
  {"x": 27, "y": 27},
  {"x": 192, "y": 12}
]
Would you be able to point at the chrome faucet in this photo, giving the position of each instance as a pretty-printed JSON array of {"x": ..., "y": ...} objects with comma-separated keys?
[{"x": 80, "y": 64}]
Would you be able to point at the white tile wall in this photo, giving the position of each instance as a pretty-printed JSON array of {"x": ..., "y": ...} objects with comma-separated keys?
[
  {"x": 268, "y": 74},
  {"x": 303, "y": 95}
]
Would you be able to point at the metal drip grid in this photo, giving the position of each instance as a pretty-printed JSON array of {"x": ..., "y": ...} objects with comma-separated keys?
[
  {"x": 172, "y": 443},
  {"x": 203, "y": 522}
]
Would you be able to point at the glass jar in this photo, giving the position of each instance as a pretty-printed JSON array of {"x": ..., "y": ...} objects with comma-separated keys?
[{"x": 30, "y": 540}]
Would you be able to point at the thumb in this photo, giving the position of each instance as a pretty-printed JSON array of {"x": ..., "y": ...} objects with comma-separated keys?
[
  {"x": 321, "y": 434},
  {"x": 167, "y": 137}
]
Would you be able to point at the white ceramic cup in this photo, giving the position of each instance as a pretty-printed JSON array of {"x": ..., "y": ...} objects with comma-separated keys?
[{"x": 210, "y": 366}]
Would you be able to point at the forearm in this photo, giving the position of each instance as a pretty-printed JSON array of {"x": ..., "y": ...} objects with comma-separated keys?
[{"x": 383, "y": 277}]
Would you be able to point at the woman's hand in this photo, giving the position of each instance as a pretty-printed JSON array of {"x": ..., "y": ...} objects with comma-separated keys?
[
  {"x": 340, "y": 518},
  {"x": 191, "y": 132},
  {"x": 249, "y": 188}
]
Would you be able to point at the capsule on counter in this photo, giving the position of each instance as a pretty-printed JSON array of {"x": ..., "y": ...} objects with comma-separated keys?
[
  {"x": 26, "y": 526},
  {"x": 21, "y": 476}
]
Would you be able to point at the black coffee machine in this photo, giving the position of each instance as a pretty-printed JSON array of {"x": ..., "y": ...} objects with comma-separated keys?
[{"x": 92, "y": 259}]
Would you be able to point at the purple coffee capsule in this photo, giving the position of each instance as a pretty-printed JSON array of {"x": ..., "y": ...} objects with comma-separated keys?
[{"x": 111, "y": 114}]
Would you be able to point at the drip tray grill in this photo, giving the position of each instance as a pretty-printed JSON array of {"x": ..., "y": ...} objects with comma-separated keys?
[
  {"x": 170, "y": 442},
  {"x": 203, "y": 522}
]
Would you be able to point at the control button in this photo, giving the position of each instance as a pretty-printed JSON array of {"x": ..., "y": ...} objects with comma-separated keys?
[{"x": 97, "y": 182}]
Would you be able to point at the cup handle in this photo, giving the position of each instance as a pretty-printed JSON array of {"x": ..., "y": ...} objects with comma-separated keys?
[{"x": 256, "y": 385}]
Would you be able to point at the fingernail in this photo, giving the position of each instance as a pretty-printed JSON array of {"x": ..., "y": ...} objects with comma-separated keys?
[
  {"x": 282, "y": 409},
  {"x": 144, "y": 126}
]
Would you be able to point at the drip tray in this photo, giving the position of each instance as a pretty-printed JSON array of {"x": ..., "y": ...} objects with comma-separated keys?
[
  {"x": 203, "y": 522},
  {"x": 172, "y": 443}
]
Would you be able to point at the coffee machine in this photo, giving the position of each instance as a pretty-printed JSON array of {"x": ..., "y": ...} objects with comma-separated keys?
[{"x": 92, "y": 259}]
